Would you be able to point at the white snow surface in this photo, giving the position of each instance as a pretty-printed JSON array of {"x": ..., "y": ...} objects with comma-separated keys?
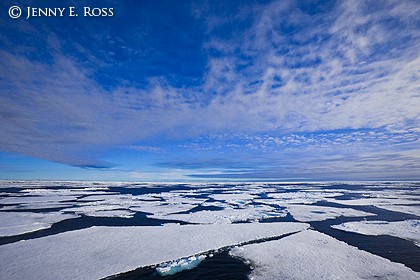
[
  {"x": 110, "y": 213},
  {"x": 98, "y": 252},
  {"x": 307, "y": 213},
  {"x": 409, "y": 209},
  {"x": 14, "y": 223},
  {"x": 375, "y": 201},
  {"x": 227, "y": 215},
  {"x": 162, "y": 208},
  {"x": 37, "y": 206},
  {"x": 305, "y": 197},
  {"x": 100, "y": 209},
  {"x": 36, "y": 199},
  {"x": 409, "y": 229},
  {"x": 313, "y": 255},
  {"x": 233, "y": 197}
]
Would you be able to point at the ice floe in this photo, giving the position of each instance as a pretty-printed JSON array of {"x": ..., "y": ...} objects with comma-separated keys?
[
  {"x": 159, "y": 208},
  {"x": 100, "y": 209},
  {"x": 374, "y": 201},
  {"x": 409, "y": 229},
  {"x": 36, "y": 199},
  {"x": 36, "y": 206},
  {"x": 408, "y": 209},
  {"x": 176, "y": 266},
  {"x": 392, "y": 201},
  {"x": 303, "y": 197},
  {"x": 115, "y": 213},
  {"x": 313, "y": 255},
  {"x": 233, "y": 197},
  {"x": 101, "y": 251},
  {"x": 309, "y": 213},
  {"x": 227, "y": 215},
  {"x": 98, "y": 252},
  {"x": 14, "y": 223},
  {"x": 106, "y": 205},
  {"x": 66, "y": 192}
]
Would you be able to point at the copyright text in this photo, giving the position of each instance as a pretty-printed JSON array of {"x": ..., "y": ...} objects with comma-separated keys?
[{"x": 34, "y": 12}]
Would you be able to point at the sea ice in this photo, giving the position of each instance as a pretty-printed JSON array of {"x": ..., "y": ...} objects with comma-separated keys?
[
  {"x": 308, "y": 213},
  {"x": 66, "y": 192},
  {"x": 159, "y": 208},
  {"x": 233, "y": 197},
  {"x": 408, "y": 209},
  {"x": 176, "y": 266},
  {"x": 409, "y": 229},
  {"x": 14, "y": 223},
  {"x": 374, "y": 201},
  {"x": 98, "y": 252},
  {"x": 388, "y": 200},
  {"x": 302, "y": 197},
  {"x": 105, "y": 205},
  {"x": 227, "y": 215},
  {"x": 37, "y": 206},
  {"x": 100, "y": 209},
  {"x": 107, "y": 197},
  {"x": 121, "y": 213},
  {"x": 313, "y": 255},
  {"x": 36, "y": 199}
]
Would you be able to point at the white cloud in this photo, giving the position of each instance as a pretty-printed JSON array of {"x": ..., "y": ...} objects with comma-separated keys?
[{"x": 349, "y": 68}]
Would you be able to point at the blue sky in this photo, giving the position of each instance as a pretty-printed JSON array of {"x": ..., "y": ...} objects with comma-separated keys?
[{"x": 212, "y": 90}]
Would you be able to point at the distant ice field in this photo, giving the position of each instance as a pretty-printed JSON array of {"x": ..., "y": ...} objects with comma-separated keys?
[{"x": 50, "y": 229}]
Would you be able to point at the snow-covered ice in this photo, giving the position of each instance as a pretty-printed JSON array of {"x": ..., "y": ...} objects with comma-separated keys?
[
  {"x": 374, "y": 201},
  {"x": 14, "y": 223},
  {"x": 176, "y": 266},
  {"x": 301, "y": 197},
  {"x": 36, "y": 199},
  {"x": 115, "y": 213},
  {"x": 100, "y": 209},
  {"x": 233, "y": 197},
  {"x": 37, "y": 206},
  {"x": 102, "y": 251},
  {"x": 168, "y": 206},
  {"x": 308, "y": 213},
  {"x": 313, "y": 255},
  {"x": 389, "y": 200},
  {"x": 409, "y": 229},
  {"x": 227, "y": 215},
  {"x": 408, "y": 209}
]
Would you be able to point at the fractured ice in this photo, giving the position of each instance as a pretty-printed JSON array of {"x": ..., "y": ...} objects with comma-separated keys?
[
  {"x": 176, "y": 266},
  {"x": 98, "y": 252},
  {"x": 227, "y": 215},
  {"x": 313, "y": 255},
  {"x": 308, "y": 213},
  {"x": 409, "y": 229},
  {"x": 215, "y": 209}
]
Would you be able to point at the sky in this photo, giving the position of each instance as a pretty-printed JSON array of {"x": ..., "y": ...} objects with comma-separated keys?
[{"x": 211, "y": 91}]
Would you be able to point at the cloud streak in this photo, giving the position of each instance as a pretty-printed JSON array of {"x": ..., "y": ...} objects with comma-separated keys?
[{"x": 272, "y": 71}]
